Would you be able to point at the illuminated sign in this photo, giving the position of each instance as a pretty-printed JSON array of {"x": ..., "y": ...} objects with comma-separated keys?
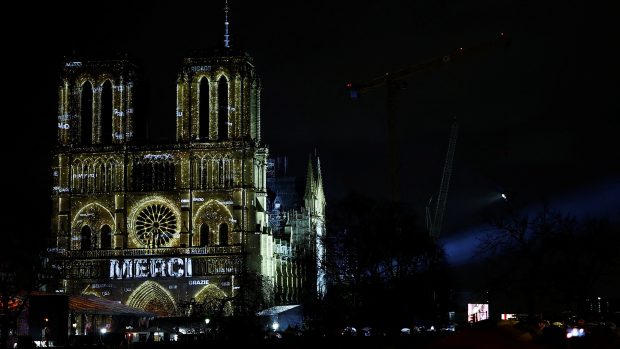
[
  {"x": 84, "y": 175},
  {"x": 198, "y": 282},
  {"x": 100, "y": 285},
  {"x": 477, "y": 312},
  {"x": 63, "y": 126},
  {"x": 197, "y": 199},
  {"x": 158, "y": 156},
  {"x": 60, "y": 189},
  {"x": 226, "y": 202},
  {"x": 198, "y": 68},
  {"x": 150, "y": 267},
  {"x": 118, "y": 112},
  {"x": 73, "y": 64}
]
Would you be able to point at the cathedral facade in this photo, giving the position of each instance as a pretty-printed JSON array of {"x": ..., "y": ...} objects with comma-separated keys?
[{"x": 167, "y": 227}]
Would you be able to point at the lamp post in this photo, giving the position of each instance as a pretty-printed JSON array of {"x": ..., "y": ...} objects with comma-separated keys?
[{"x": 207, "y": 320}]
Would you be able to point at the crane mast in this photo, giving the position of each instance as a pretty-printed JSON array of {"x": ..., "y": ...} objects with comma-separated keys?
[
  {"x": 396, "y": 80},
  {"x": 442, "y": 198}
]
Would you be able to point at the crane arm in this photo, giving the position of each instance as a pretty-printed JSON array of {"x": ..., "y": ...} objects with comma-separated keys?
[{"x": 390, "y": 78}]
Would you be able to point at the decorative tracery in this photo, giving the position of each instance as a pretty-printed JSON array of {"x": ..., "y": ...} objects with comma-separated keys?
[{"x": 155, "y": 225}]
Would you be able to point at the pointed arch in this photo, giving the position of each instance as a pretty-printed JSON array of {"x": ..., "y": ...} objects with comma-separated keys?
[
  {"x": 86, "y": 113},
  {"x": 203, "y": 107},
  {"x": 106, "y": 112},
  {"x": 75, "y": 180},
  {"x": 152, "y": 297},
  {"x": 99, "y": 173},
  {"x": 106, "y": 237},
  {"x": 214, "y": 214},
  {"x": 214, "y": 300},
  {"x": 92, "y": 215},
  {"x": 223, "y": 234},
  {"x": 222, "y": 109},
  {"x": 204, "y": 234},
  {"x": 86, "y": 234}
]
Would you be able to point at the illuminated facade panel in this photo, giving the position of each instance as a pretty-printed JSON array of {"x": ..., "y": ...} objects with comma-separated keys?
[{"x": 154, "y": 226}]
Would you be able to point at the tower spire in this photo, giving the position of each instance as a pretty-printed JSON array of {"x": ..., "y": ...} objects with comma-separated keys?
[{"x": 226, "y": 35}]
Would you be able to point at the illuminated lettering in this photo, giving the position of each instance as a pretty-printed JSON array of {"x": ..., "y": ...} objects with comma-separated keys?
[
  {"x": 158, "y": 156},
  {"x": 84, "y": 175},
  {"x": 198, "y": 199},
  {"x": 158, "y": 267},
  {"x": 118, "y": 135},
  {"x": 179, "y": 113},
  {"x": 100, "y": 285},
  {"x": 60, "y": 189},
  {"x": 198, "y": 68},
  {"x": 155, "y": 267},
  {"x": 226, "y": 202},
  {"x": 63, "y": 126},
  {"x": 73, "y": 64},
  {"x": 198, "y": 282},
  {"x": 118, "y": 112},
  {"x": 142, "y": 268}
]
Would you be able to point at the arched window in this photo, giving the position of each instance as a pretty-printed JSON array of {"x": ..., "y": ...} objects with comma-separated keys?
[
  {"x": 254, "y": 117},
  {"x": 110, "y": 181},
  {"x": 106, "y": 237},
  {"x": 86, "y": 115},
  {"x": 106, "y": 113},
  {"x": 222, "y": 109},
  {"x": 223, "y": 234},
  {"x": 100, "y": 177},
  {"x": 204, "y": 235},
  {"x": 85, "y": 238},
  {"x": 203, "y": 108}
]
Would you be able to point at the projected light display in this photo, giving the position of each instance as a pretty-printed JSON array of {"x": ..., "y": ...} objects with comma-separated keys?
[{"x": 477, "y": 312}]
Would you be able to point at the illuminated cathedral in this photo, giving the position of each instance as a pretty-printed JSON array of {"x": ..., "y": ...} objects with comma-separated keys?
[{"x": 167, "y": 226}]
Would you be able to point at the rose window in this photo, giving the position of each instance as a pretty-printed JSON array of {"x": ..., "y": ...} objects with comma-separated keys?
[{"x": 156, "y": 225}]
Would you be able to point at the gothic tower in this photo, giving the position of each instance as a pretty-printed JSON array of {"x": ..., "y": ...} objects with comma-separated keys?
[
  {"x": 160, "y": 226},
  {"x": 146, "y": 216}
]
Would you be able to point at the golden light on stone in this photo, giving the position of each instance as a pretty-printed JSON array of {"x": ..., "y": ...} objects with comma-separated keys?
[{"x": 149, "y": 225}]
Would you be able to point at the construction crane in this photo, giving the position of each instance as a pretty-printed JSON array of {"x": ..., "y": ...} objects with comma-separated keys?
[
  {"x": 434, "y": 221},
  {"x": 396, "y": 80}
]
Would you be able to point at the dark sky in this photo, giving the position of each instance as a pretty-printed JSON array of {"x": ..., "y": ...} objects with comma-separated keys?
[{"x": 538, "y": 119}]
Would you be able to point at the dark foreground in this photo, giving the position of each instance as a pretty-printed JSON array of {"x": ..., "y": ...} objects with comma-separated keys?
[{"x": 488, "y": 337}]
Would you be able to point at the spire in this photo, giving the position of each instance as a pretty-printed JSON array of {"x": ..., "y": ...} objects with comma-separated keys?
[
  {"x": 309, "y": 180},
  {"x": 226, "y": 35},
  {"x": 319, "y": 175},
  {"x": 320, "y": 193}
]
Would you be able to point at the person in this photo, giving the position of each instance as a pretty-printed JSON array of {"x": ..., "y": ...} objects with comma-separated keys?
[{"x": 46, "y": 336}]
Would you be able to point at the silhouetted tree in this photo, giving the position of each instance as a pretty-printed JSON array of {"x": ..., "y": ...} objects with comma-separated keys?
[
  {"x": 381, "y": 266},
  {"x": 550, "y": 262}
]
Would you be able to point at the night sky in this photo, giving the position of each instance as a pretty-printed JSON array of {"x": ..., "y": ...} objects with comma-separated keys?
[{"x": 539, "y": 119}]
